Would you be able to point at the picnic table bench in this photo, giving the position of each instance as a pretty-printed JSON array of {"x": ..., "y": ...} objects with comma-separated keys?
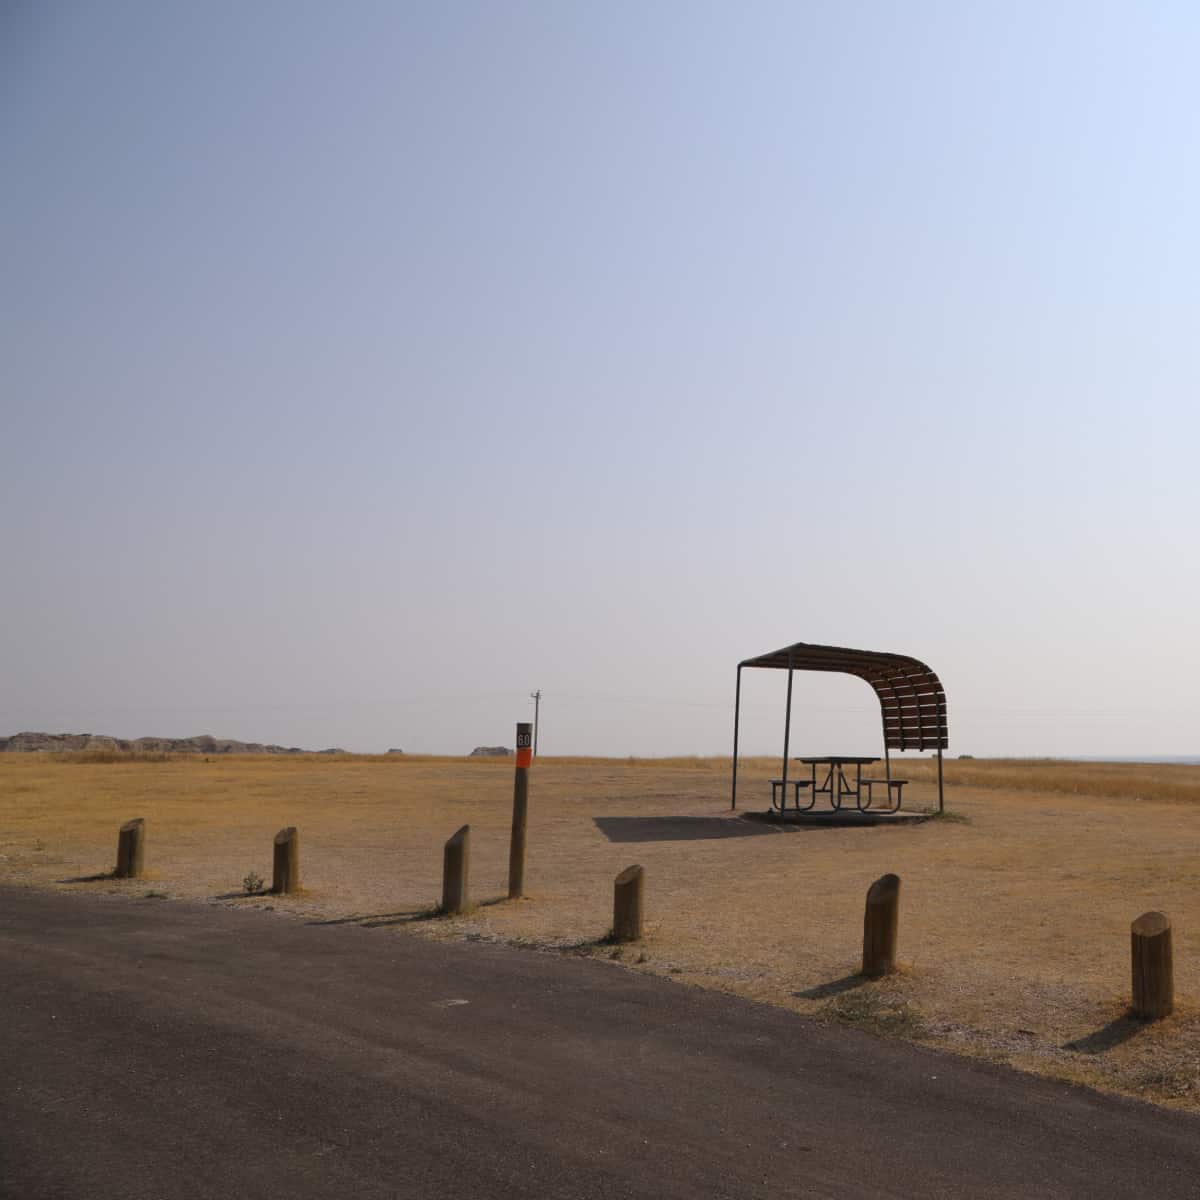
[
  {"x": 894, "y": 791},
  {"x": 779, "y": 796}
]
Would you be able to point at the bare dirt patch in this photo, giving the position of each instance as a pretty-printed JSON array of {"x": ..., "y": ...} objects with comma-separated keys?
[{"x": 1014, "y": 933}]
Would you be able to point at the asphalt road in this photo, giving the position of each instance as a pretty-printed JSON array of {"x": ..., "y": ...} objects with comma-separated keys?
[{"x": 163, "y": 1050}]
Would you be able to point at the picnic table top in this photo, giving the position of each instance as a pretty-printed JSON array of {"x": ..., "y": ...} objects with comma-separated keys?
[{"x": 839, "y": 758}]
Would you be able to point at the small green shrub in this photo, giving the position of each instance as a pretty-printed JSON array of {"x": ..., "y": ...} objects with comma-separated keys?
[
  {"x": 955, "y": 818},
  {"x": 887, "y": 1016}
]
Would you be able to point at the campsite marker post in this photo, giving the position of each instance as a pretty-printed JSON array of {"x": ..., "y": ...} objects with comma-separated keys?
[{"x": 516, "y": 849}]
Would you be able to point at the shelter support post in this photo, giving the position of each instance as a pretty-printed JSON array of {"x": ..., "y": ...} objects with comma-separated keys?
[
  {"x": 737, "y": 708},
  {"x": 787, "y": 733},
  {"x": 941, "y": 793}
]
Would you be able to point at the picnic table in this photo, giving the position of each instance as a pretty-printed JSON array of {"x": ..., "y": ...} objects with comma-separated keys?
[
  {"x": 829, "y": 778},
  {"x": 835, "y": 784}
]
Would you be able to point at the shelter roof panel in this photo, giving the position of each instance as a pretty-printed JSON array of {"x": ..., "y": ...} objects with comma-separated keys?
[{"x": 911, "y": 696}]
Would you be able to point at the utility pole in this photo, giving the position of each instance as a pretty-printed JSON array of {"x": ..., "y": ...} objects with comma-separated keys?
[{"x": 536, "y": 697}]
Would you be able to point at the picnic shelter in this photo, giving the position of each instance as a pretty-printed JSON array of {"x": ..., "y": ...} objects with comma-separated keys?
[{"x": 912, "y": 706}]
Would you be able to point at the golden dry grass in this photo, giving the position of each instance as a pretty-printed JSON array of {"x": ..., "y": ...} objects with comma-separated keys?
[{"x": 1014, "y": 923}]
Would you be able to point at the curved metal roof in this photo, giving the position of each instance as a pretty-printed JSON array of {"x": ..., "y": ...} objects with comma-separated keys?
[{"x": 910, "y": 694}]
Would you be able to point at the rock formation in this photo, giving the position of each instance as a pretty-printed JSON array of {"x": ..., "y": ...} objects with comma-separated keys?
[{"x": 202, "y": 744}]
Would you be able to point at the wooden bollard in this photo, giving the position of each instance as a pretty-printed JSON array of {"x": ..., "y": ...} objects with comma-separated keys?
[
  {"x": 1153, "y": 966},
  {"x": 287, "y": 861},
  {"x": 880, "y": 925},
  {"x": 131, "y": 849},
  {"x": 516, "y": 847},
  {"x": 456, "y": 870},
  {"x": 628, "y": 890}
]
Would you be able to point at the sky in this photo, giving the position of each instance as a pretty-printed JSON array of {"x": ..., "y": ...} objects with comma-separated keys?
[{"x": 364, "y": 368}]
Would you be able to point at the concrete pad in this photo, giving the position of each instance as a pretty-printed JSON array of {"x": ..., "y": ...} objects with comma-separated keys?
[{"x": 828, "y": 819}]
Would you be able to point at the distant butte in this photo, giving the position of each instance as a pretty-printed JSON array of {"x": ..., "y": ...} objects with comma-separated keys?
[{"x": 203, "y": 744}]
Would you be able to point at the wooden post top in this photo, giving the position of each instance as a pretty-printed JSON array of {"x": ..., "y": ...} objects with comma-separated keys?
[
  {"x": 1151, "y": 924},
  {"x": 460, "y": 836},
  {"x": 131, "y": 825},
  {"x": 285, "y": 835},
  {"x": 628, "y": 875},
  {"x": 883, "y": 889}
]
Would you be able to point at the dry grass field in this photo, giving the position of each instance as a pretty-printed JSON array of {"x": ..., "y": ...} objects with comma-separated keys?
[{"x": 1014, "y": 933}]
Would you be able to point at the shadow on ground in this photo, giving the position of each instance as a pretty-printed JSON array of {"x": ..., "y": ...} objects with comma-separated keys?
[
  {"x": 835, "y": 987},
  {"x": 676, "y": 829},
  {"x": 98, "y": 878},
  {"x": 407, "y": 916},
  {"x": 1116, "y": 1032},
  {"x": 375, "y": 920}
]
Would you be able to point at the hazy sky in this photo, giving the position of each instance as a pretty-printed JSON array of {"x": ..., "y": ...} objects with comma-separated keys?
[{"x": 366, "y": 366}]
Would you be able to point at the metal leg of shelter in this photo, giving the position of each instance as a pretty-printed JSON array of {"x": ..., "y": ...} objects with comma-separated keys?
[
  {"x": 941, "y": 792},
  {"x": 787, "y": 727},
  {"x": 737, "y": 709}
]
